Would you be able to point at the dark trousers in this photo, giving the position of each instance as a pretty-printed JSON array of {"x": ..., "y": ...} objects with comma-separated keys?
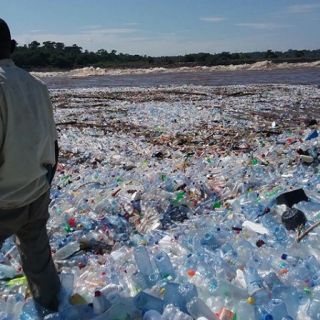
[{"x": 28, "y": 224}]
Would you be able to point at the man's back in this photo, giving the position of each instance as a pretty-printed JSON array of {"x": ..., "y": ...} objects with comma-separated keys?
[{"x": 27, "y": 135}]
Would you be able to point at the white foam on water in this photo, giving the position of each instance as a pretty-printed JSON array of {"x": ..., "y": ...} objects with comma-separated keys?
[{"x": 92, "y": 71}]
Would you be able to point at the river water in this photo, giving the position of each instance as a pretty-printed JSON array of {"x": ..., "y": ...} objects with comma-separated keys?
[{"x": 303, "y": 76}]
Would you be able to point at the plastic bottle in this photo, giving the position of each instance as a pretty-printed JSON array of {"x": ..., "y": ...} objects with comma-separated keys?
[
  {"x": 244, "y": 310},
  {"x": 145, "y": 301},
  {"x": 217, "y": 286},
  {"x": 277, "y": 309},
  {"x": 169, "y": 312},
  {"x": 100, "y": 303},
  {"x": 67, "y": 250},
  {"x": 164, "y": 265},
  {"x": 140, "y": 280},
  {"x": 73, "y": 312},
  {"x": 261, "y": 313},
  {"x": 188, "y": 291},
  {"x": 274, "y": 227},
  {"x": 289, "y": 295},
  {"x": 173, "y": 296},
  {"x": 210, "y": 241},
  {"x": 67, "y": 281},
  {"x": 292, "y": 260},
  {"x": 256, "y": 286},
  {"x": 142, "y": 259},
  {"x": 152, "y": 315},
  {"x": 7, "y": 271},
  {"x": 197, "y": 308},
  {"x": 272, "y": 280},
  {"x": 313, "y": 310},
  {"x": 181, "y": 316},
  {"x": 30, "y": 311}
]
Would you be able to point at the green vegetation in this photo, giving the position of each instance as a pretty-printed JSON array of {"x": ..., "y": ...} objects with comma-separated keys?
[{"x": 56, "y": 55}]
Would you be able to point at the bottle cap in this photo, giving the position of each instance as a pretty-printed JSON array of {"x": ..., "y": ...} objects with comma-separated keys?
[
  {"x": 191, "y": 273},
  {"x": 267, "y": 317},
  {"x": 97, "y": 294},
  {"x": 284, "y": 256},
  {"x": 293, "y": 218},
  {"x": 251, "y": 301}
]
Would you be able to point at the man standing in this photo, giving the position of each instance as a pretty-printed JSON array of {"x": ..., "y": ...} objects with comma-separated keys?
[{"x": 28, "y": 160}]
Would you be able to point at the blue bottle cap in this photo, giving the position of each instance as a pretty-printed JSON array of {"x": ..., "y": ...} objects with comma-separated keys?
[
  {"x": 267, "y": 317},
  {"x": 284, "y": 256}
]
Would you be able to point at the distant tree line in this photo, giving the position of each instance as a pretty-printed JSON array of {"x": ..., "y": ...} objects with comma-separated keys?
[{"x": 56, "y": 55}]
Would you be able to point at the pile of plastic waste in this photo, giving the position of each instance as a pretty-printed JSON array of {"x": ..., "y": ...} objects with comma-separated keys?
[{"x": 181, "y": 208}]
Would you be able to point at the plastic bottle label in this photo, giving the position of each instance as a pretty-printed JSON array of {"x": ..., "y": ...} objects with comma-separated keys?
[
  {"x": 225, "y": 314},
  {"x": 255, "y": 287}
]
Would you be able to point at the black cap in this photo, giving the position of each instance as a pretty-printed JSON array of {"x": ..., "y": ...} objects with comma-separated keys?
[{"x": 293, "y": 218}]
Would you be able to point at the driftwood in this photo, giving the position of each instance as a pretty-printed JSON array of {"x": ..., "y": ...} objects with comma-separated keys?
[
  {"x": 85, "y": 124},
  {"x": 91, "y": 182},
  {"x": 301, "y": 236}
]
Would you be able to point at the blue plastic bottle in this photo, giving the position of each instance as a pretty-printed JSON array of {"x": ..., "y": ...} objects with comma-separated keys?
[
  {"x": 145, "y": 301},
  {"x": 164, "y": 265},
  {"x": 173, "y": 296},
  {"x": 67, "y": 280},
  {"x": 277, "y": 309},
  {"x": 142, "y": 259}
]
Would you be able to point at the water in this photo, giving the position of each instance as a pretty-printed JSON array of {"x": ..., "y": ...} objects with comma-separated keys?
[{"x": 304, "y": 76}]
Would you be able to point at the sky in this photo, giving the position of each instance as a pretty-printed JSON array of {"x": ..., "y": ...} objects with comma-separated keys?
[{"x": 167, "y": 27}]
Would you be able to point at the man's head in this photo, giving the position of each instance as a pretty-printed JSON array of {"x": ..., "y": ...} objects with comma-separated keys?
[{"x": 6, "y": 44}]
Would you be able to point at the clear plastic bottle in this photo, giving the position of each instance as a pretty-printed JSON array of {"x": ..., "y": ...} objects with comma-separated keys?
[
  {"x": 256, "y": 286},
  {"x": 67, "y": 250},
  {"x": 261, "y": 313},
  {"x": 7, "y": 271},
  {"x": 142, "y": 259},
  {"x": 277, "y": 309},
  {"x": 164, "y": 265},
  {"x": 152, "y": 315},
  {"x": 100, "y": 303},
  {"x": 145, "y": 301},
  {"x": 169, "y": 312},
  {"x": 173, "y": 296},
  {"x": 244, "y": 310},
  {"x": 197, "y": 308},
  {"x": 290, "y": 296},
  {"x": 66, "y": 290}
]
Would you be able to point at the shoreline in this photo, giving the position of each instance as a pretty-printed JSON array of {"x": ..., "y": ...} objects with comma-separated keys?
[{"x": 92, "y": 71}]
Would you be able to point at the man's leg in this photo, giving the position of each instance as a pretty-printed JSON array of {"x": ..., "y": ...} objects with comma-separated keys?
[
  {"x": 10, "y": 221},
  {"x": 37, "y": 263}
]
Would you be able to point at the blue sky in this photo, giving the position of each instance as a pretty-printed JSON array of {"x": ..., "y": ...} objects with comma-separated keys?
[{"x": 167, "y": 27}]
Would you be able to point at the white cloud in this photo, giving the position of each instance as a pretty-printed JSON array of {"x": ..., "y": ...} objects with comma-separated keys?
[
  {"x": 90, "y": 27},
  {"x": 303, "y": 8},
  {"x": 213, "y": 19},
  {"x": 267, "y": 26},
  {"x": 109, "y": 31},
  {"x": 132, "y": 24},
  {"x": 36, "y": 31},
  {"x": 170, "y": 34}
]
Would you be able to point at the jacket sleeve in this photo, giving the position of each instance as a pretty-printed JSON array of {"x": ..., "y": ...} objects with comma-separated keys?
[{"x": 2, "y": 126}]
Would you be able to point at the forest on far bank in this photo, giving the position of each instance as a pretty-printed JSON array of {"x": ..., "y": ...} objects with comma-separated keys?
[{"x": 56, "y": 55}]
